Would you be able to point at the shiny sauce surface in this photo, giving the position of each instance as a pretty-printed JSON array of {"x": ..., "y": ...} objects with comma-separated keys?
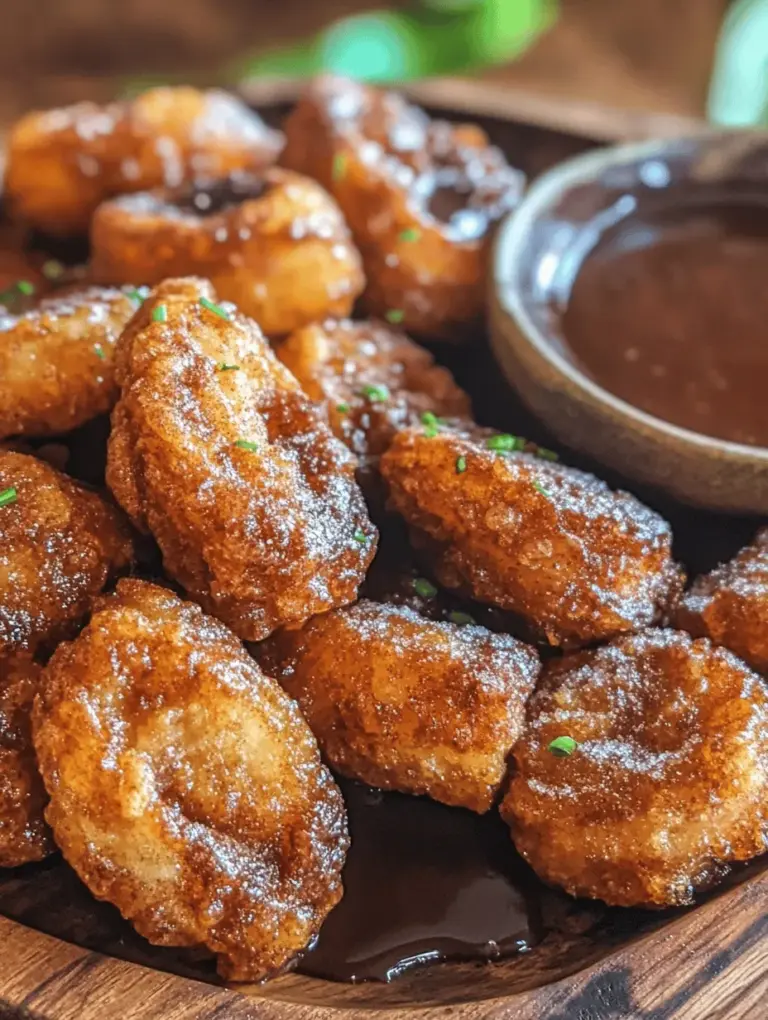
[{"x": 670, "y": 312}]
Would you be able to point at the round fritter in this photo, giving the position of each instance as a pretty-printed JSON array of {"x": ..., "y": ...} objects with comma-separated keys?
[
  {"x": 579, "y": 562},
  {"x": 60, "y": 545},
  {"x": 63, "y": 163},
  {"x": 275, "y": 244},
  {"x": 421, "y": 197},
  {"x": 24, "y": 836},
  {"x": 730, "y": 604},
  {"x": 404, "y": 703},
  {"x": 668, "y": 778},
  {"x": 372, "y": 380},
  {"x": 56, "y": 360},
  {"x": 217, "y": 452},
  {"x": 185, "y": 787}
]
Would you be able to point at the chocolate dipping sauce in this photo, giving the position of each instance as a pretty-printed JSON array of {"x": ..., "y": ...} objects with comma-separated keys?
[
  {"x": 424, "y": 883},
  {"x": 670, "y": 312}
]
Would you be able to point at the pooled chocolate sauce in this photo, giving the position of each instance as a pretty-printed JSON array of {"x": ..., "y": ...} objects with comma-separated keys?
[{"x": 424, "y": 883}]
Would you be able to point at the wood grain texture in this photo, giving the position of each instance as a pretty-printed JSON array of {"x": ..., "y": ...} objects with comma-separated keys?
[{"x": 710, "y": 963}]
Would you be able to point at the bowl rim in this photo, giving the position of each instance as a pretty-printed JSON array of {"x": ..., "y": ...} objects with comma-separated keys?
[{"x": 510, "y": 239}]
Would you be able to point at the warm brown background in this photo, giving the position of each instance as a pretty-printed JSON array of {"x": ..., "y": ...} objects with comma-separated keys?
[{"x": 639, "y": 54}]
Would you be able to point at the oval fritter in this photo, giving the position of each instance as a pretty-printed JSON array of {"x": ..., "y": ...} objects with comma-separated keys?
[
  {"x": 56, "y": 360},
  {"x": 185, "y": 787},
  {"x": 373, "y": 381},
  {"x": 405, "y": 703},
  {"x": 217, "y": 452},
  {"x": 24, "y": 836},
  {"x": 730, "y": 604},
  {"x": 668, "y": 780},
  {"x": 553, "y": 544},
  {"x": 273, "y": 243},
  {"x": 421, "y": 196},
  {"x": 62, "y": 163},
  {"x": 60, "y": 545}
]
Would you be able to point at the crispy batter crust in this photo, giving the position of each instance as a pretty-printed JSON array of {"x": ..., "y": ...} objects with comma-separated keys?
[
  {"x": 60, "y": 545},
  {"x": 63, "y": 163},
  {"x": 264, "y": 534},
  {"x": 185, "y": 786},
  {"x": 421, "y": 198},
  {"x": 556, "y": 545},
  {"x": 275, "y": 244},
  {"x": 405, "y": 703},
  {"x": 730, "y": 604},
  {"x": 669, "y": 781}
]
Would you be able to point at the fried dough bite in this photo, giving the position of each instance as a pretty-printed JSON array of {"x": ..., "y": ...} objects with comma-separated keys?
[
  {"x": 579, "y": 562},
  {"x": 730, "y": 604},
  {"x": 185, "y": 787},
  {"x": 63, "y": 163},
  {"x": 60, "y": 545},
  {"x": 218, "y": 454},
  {"x": 372, "y": 381},
  {"x": 274, "y": 243},
  {"x": 420, "y": 195},
  {"x": 658, "y": 774},
  {"x": 404, "y": 703},
  {"x": 56, "y": 360},
  {"x": 24, "y": 836}
]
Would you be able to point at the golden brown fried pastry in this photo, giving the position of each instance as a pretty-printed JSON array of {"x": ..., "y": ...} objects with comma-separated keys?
[
  {"x": 421, "y": 197},
  {"x": 24, "y": 836},
  {"x": 372, "y": 380},
  {"x": 553, "y": 544},
  {"x": 217, "y": 452},
  {"x": 668, "y": 778},
  {"x": 56, "y": 360},
  {"x": 60, "y": 545},
  {"x": 275, "y": 244},
  {"x": 63, "y": 163},
  {"x": 404, "y": 703},
  {"x": 185, "y": 786},
  {"x": 730, "y": 604}
]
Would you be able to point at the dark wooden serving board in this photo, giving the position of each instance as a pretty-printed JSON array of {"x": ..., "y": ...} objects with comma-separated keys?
[{"x": 65, "y": 957}]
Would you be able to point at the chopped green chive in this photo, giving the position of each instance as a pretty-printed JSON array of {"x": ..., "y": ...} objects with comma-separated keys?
[
  {"x": 561, "y": 747},
  {"x": 540, "y": 488},
  {"x": 504, "y": 443},
  {"x": 425, "y": 588},
  {"x": 545, "y": 454},
  {"x": 53, "y": 269},
  {"x": 342, "y": 408},
  {"x": 410, "y": 234},
  {"x": 246, "y": 444},
  {"x": 463, "y": 619},
  {"x": 160, "y": 313},
  {"x": 211, "y": 306},
  {"x": 395, "y": 315},
  {"x": 461, "y": 465},
  {"x": 25, "y": 287},
  {"x": 431, "y": 424},
  {"x": 98, "y": 350},
  {"x": 339, "y": 168},
  {"x": 224, "y": 367},
  {"x": 360, "y": 536},
  {"x": 8, "y": 496},
  {"x": 137, "y": 294},
  {"x": 375, "y": 393}
]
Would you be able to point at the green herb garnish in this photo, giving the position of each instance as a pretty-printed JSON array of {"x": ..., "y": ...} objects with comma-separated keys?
[
  {"x": 461, "y": 465},
  {"x": 425, "y": 588},
  {"x": 25, "y": 287},
  {"x": 545, "y": 454},
  {"x": 211, "y": 306},
  {"x": 375, "y": 393},
  {"x": 224, "y": 367},
  {"x": 99, "y": 351},
  {"x": 394, "y": 315},
  {"x": 540, "y": 488},
  {"x": 339, "y": 168},
  {"x": 137, "y": 294},
  {"x": 160, "y": 313},
  {"x": 342, "y": 408},
  {"x": 505, "y": 443},
  {"x": 360, "y": 536},
  {"x": 246, "y": 444},
  {"x": 410, "y": 234},
  {"x": 431, "y": 424},
  {"x": 463, "y": 619},
  {"x": 561, "y": 747},
  {"x": 8, "y": 496}
]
